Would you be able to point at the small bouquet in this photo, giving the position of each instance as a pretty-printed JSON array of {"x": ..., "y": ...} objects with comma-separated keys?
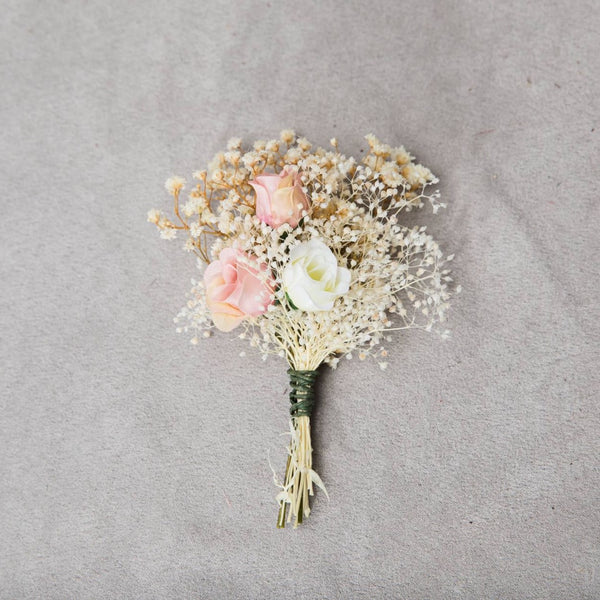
[{"x": 307, "y": 259}]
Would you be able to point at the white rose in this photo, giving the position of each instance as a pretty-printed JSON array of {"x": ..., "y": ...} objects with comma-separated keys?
[{"x": 312, "y": 279}]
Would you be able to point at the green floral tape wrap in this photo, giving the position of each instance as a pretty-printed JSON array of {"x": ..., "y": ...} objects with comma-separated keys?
[{"x": 302, "y": 395}]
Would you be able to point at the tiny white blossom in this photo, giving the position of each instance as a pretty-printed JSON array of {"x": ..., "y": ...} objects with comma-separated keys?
[
  {"x": 174, "y": 185},
  {"x": 234, "y": 143},
  {"x": 168, "y": 234},
  {"x": 287, "y": 136}
]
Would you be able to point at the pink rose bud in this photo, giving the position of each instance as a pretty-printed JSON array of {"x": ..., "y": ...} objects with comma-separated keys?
[
  {"x": 280, "y": 198},
  {"x": 235, "y": 288}
]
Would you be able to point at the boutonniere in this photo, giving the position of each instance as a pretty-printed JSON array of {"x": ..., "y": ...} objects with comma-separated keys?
[{"x": 304, "y": 255}]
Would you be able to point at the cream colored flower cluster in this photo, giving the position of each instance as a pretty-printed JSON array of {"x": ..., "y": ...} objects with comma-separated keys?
[{"x": 318, "y": 238}]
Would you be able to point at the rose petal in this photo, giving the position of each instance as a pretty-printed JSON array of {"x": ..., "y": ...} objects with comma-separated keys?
[
  {"x": 226, "y": 321},
  {"x": 262, "y": 204}
]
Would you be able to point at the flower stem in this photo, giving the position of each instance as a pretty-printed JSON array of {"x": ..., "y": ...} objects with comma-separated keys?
[
  {"x": 298, "y": 482},
  {"x": 283, "y": 505}
]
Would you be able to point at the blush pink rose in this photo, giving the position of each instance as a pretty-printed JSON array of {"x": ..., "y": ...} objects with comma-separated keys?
[
  {"x": 235, "y": 289},
  {"x": 279, "y": 198}
]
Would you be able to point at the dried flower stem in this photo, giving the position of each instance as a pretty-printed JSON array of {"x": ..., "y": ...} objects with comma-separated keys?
[{"x": 299, "y": 475}]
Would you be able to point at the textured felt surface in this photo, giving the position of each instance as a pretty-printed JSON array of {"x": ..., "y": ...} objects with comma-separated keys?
[{"x": 134, "y": 465}]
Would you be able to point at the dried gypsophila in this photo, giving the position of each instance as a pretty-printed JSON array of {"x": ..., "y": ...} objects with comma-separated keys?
[{"x": 398, "y": 276}]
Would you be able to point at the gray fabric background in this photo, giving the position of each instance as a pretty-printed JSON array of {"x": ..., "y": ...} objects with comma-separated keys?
[{"x": 134, "y": 465}]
